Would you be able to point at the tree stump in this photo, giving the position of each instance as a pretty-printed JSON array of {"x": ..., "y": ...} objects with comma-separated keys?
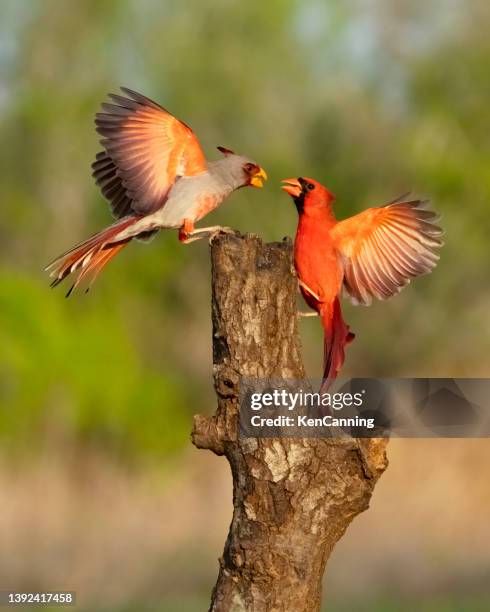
[{"x": 293, "y": 498}]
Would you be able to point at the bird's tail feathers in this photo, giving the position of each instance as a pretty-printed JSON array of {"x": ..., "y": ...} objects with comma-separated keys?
[
  {"x": 90, "y": 256},
  {"x": 337, "y": 335}
]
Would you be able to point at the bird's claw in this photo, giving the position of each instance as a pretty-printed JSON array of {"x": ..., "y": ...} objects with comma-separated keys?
[
  {"x": 218, "y": 231},
  {"x": 301, "y": 314}
]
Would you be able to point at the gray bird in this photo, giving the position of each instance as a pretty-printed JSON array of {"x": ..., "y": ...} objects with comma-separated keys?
[{"x": 155, "y": 175}]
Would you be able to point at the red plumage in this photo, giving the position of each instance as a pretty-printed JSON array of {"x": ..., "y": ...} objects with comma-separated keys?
[{"x": 373, "y": 254}]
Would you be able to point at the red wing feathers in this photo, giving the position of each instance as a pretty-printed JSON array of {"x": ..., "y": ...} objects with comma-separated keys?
[
  {"x": 384, "y": 248},
  {"x": 146, "y": 149}
]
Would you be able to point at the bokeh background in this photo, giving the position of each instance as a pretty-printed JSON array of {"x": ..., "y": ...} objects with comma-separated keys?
[{"x": 101, "y": 490}]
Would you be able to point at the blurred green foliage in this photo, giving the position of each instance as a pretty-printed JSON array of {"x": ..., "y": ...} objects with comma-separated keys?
[
  {"x": 55, "y": 366},
  {"x": 372, "y": 98}
]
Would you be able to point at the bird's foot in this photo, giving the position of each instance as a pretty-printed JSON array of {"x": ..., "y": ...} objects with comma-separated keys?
[
  {"x": 301, "y": 314},
  {"x": 217, "y": 231},
  {"x": 185, "y": 238},
  {"x": 211, "y": 232}
]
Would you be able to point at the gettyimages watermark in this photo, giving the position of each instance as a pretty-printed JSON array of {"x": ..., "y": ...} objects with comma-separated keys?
[{"x": 366, "y": 408}]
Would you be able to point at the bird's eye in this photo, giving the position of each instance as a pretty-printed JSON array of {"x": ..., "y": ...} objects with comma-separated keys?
[
  {"x": 310, "y": 186},
  {"x": 249, "y": 167}
]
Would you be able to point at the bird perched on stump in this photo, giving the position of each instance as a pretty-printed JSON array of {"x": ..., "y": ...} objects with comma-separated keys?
[
  {"x": 371, "y": 255},
  {"x": 155, "y": 175}
]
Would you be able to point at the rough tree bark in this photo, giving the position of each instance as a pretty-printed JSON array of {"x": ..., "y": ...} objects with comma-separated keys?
[{"x": 292, "y": 498}]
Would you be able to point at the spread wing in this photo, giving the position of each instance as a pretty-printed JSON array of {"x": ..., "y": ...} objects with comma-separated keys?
[
  {"x": 146, "y": 150},
  {"x": 384, "y": 248}
]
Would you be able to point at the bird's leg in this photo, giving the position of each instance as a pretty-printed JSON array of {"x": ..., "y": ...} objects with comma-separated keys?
[
  {"x": 305, "y": 288},
  {"x": 301, "y": 314},
  {"x": 308, "y": 290},
  {"x": 212, "y": 231},
  {"x": 188, "y": 234}
]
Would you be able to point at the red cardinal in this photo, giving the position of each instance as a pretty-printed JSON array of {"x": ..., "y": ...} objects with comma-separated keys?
[
  {"x": 155, "y": 175},
  {"x": 373, "y": 254}
]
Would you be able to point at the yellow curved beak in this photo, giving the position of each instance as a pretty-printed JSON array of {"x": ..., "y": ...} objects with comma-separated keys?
[{"x": 258, "y": 178}]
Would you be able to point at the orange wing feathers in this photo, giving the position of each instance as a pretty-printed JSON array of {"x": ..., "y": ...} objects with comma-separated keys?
[
  {"x": 146, "y": 149},
  {"x": 91, "y": 255},
  {"x": 384, "y": 248}
]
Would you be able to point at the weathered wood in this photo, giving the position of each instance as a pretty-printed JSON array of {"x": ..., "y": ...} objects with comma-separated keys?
[{"x": 292, "y": 498}]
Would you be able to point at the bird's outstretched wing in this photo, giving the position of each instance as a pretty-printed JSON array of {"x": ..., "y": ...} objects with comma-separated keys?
[
  {"x": 384, "y": 248},
  {"x": 145, "y": 150}
]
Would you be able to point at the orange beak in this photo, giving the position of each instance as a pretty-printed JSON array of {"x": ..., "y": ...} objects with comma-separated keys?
[{"x": 292, "y": 186}]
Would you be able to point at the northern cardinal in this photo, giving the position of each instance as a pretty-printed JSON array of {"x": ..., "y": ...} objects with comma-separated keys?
[
  {"x": 373, "y": 254},
  {"x": 155, "y": 175}
]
